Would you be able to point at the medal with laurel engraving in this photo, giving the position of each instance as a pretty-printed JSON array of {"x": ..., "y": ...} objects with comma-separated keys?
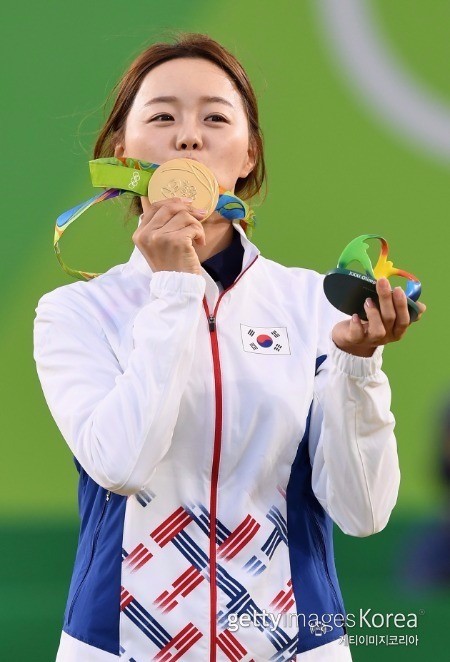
[{"x": 185, "y": 178}]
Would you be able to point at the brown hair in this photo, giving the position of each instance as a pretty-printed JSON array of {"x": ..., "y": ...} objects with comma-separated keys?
[{"x": 193, "y": 45}]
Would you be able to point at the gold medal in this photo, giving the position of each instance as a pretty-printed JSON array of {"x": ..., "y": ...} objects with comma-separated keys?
[{"x": 185, "y": 178}]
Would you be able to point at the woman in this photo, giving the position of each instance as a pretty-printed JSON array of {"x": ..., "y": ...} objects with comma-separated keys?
[{"x": 222, "y": 415}]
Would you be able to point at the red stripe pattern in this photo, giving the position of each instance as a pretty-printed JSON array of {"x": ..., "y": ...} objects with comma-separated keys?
[
  {"x": 125, "y": 598},
  {"x": 284, "y": 600},
  {"x": 179, "y": 644},
  {"x": 232, "y": 648},
  {"x": 239, "y": 538},
  {"x": 181, "y": 586},
  {"x": 137, "y": 558},
  {"x": 172, "y": 525}
]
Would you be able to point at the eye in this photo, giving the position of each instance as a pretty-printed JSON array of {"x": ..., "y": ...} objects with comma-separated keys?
[
  {"x": 222, "y": 119},
  {"x": 162, "y": 115}
]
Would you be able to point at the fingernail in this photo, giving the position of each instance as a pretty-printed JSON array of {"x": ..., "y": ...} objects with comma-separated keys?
[
  {"x": 368, "y": 302},
  {"x": 355, "y": 318},
  {"x": 187, "y": 199},
  {"x": 201, "y": 211}
]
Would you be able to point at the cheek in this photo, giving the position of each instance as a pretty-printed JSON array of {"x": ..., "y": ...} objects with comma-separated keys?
[
  {"x": 136, "y": 130},
  {"x": 239, "y": 143},
  {"x": 134, "y": 135},
  {"x": 234, "y": 152}
]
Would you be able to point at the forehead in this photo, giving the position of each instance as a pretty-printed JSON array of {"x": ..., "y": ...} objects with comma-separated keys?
[{"x": 187, "y": 78}]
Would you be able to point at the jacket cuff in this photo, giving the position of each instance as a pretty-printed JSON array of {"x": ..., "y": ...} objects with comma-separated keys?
[
  {"x": 177, "y": 282},
  {"x": 356, "y": 366}
]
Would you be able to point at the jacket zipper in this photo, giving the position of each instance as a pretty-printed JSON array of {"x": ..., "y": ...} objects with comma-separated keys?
[
  {"x": 94, "y": 545},
  {"x": 324, "y": 558},
  {"x": 215, "y": 465},
  {"x": 214, "y": 480}
]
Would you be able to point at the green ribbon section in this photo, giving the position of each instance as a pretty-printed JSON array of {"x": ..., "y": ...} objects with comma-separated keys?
[{"x": 106, "y": 174}]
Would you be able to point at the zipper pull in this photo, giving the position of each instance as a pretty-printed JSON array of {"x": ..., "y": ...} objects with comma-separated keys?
[
  {"x": 212, "y": 323},
  {"x": 108, "y": 494}
]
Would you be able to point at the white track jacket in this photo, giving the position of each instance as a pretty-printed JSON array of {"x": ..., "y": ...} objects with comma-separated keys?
[{"x": 218, "y": 435}]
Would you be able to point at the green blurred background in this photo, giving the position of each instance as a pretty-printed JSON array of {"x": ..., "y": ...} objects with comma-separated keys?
[{"x": 337, "y": 168}]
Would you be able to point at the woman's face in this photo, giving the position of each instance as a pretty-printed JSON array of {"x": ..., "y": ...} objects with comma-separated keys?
[{"x": 205, "y": 120}]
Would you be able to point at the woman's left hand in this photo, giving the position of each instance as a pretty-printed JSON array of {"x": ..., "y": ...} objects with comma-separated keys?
[{"x": 383, "y": 326}]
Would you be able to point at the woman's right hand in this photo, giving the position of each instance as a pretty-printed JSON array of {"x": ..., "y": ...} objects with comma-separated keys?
[{"x": 166, "y": 234}]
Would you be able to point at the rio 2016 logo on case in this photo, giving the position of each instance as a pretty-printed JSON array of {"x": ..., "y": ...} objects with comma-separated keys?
[{"x": 265, "y": 339}]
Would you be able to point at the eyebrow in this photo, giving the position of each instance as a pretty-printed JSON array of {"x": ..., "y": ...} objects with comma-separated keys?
[{"x": 175, "y": 100}]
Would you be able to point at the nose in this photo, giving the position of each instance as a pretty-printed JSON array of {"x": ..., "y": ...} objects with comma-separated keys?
[{"x": 189, "y": 139}]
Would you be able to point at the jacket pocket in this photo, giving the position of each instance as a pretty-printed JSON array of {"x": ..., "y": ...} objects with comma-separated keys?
[{"x": 91, "y": 558}]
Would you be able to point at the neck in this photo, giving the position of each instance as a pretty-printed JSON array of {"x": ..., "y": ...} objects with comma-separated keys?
[{"x": 218, "y": 234}]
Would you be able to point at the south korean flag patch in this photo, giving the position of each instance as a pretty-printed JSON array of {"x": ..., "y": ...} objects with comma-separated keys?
[{"x": 265, "y": 339}]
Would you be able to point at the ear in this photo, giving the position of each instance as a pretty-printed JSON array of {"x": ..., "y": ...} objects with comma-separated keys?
[
  {"x": 249, "y": 163},
  {"x": 119, "y": 150}
]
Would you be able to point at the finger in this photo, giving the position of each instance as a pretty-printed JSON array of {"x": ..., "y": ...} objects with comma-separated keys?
[
  {"x": 185, "y": 226},
  {"x": 165, "y": 216},
  {"x": 422, "y": 308},
  {"x": 159, "y": 230},
  {"x": 187, "y": 202},
  {"x": 356, "y": 330},
  {"x": 194, "y": 231},
  {"x": 166, "y": 212},
  {"x": 402, "y": 320},
  {"x": 173, "y": 203},
  {"x": 167, "y": 201},
  {"x": 387, "y": 309},
  {"x": 376, "y": 331},
  {"x": 150, "y": 208}
]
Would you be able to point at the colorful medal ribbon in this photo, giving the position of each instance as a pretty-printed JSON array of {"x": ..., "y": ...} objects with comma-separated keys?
[{"x": 132, "y": 179}]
